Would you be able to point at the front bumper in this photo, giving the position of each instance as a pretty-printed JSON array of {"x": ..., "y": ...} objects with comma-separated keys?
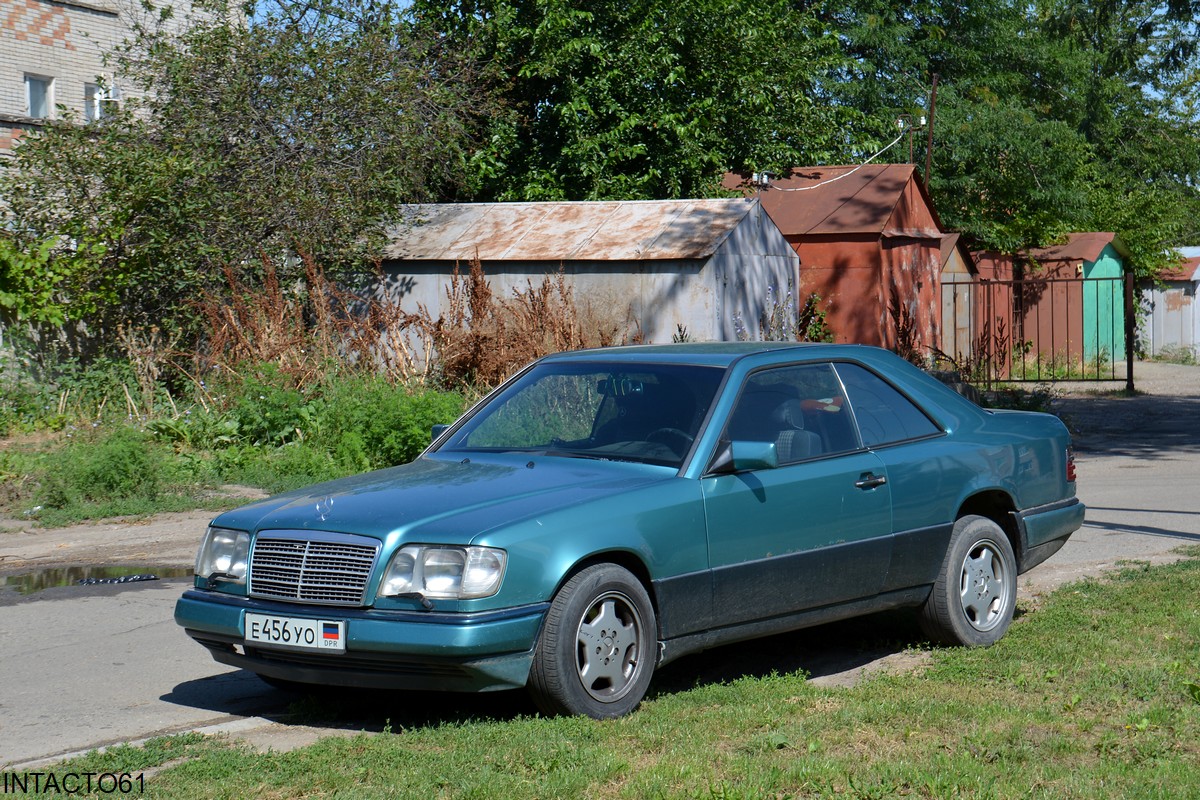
[{"x": 384, "y": 649}]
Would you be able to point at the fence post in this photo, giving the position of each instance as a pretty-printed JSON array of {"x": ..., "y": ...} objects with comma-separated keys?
[{"x": 1130, "y": 328}]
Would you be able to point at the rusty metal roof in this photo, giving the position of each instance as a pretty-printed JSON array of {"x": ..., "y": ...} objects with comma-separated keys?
[
  {"x": 1188, "y": 269},
  {"x": 1081, "y": 247},
  {"x": 837, "y": 200},
  {"x": 628, "y": 230}
]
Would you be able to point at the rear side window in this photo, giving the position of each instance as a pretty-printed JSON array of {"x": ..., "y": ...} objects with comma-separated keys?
[{"x": 883, "y": 414}]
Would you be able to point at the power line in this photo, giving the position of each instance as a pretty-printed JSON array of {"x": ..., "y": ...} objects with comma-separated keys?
[{"x": 844, "y": 174}]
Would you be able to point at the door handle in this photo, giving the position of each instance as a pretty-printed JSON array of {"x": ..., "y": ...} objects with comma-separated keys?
[{"x": 870, "y": 481}]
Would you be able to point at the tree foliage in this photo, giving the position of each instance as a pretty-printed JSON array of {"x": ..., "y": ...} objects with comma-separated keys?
[
  {"x": 1011, "y": 180},
  {"x": 1051, "y": 116},
  {"x": 301, "y": 129},
  {"x": 647, "y": 99},
  {"x": 1136, "y": 92}
]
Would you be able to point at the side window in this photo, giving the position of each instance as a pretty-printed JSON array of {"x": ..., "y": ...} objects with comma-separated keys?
[
  {"x": 884, "y": 415},
  {"x": 799, "y": 408}
]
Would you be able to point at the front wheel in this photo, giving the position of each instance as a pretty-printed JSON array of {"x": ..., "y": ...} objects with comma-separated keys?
[
  {"x": 975, "y": 594},
  {"x": 596, "y": 653}
]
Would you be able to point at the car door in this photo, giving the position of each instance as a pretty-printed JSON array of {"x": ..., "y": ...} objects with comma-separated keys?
[
  {"x": 812, "y": 531},
  {"x": 923, "y": 472}
]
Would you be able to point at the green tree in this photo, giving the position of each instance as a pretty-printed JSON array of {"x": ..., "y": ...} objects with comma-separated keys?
[
  {"x": 303, "y": 128},
  {"x": 1050, "y": 116},
  {"x": 647, "y": 99},
  {"x": 1138, "y": 65},
  {"x": 1007, "y": 179}
]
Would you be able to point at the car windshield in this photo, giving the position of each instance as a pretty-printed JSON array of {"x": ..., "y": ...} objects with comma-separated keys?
[{"x": 617, "y": 411}]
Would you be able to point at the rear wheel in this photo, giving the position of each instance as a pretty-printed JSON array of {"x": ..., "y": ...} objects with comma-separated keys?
[
  {"x": 975, "y": 594},
  {"x": 596, "y": 653}
]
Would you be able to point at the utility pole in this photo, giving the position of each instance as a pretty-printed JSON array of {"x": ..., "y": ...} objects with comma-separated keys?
[{"x": 929, "y": 140}]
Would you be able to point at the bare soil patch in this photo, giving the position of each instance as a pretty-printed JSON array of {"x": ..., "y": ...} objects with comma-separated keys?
[{"x": 161, "y": 540}]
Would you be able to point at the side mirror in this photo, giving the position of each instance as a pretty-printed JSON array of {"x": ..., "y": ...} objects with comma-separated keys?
[
  {"x": 754, "y": 455},
  {"x": 743, "y": 456},
  {"x": 438, "y": 430}
]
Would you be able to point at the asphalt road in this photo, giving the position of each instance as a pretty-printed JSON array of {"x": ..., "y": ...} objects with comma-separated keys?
[
  {"x": 94, "y": 665},
  {"x": 88, "y": 666}
]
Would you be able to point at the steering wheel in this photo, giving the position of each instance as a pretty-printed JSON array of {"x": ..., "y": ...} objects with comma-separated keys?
[{"x": 670, "y": 437}]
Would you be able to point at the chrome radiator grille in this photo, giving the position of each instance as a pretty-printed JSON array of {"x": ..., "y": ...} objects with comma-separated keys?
[{"x": 312, "y": 567}]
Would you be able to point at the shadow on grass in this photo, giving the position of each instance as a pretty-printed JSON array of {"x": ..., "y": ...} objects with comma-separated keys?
[{"x": 837, "y": 649}]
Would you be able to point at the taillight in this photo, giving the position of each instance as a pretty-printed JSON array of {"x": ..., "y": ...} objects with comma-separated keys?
[{"x": 1070, "y": 466}]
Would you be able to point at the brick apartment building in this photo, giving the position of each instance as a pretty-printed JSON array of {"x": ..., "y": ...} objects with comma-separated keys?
[{"x": 52, "y": 54}]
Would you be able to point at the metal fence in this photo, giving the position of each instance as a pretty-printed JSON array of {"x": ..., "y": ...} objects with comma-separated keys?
[{"x": 1040, "y": 329}]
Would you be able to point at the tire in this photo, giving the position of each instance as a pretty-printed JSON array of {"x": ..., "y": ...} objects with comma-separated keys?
[
  {"x": 975, "y": 594},
  {"x": 597, "y": 650}
]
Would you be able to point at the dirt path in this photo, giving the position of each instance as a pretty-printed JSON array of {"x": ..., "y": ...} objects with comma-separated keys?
[{"x": 162, "y": 540}]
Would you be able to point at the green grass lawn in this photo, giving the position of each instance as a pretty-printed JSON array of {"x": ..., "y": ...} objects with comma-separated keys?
[{"x": 1094, "y": 694}]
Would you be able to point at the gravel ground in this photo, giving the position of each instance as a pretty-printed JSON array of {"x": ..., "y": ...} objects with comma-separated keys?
[{"x": 1149, "y": 377}]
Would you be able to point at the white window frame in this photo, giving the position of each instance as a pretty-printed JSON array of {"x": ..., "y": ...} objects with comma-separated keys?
[
  {"x": 93, "y": 102},
  {"x": 48, "y": 82}
]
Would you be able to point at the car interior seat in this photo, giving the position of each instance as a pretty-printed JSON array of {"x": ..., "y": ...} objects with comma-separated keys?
[{"x": 793, "y": 442}]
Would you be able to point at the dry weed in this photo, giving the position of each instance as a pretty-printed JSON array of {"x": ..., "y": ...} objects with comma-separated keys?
[
  {"x": 316, "y": 325},
  {"x": 482, "y": 340}
]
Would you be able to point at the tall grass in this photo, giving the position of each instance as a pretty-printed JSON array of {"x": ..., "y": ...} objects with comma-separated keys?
[
  {"x": 260, "y": 430},
  {"x": 287, "y": 386}
]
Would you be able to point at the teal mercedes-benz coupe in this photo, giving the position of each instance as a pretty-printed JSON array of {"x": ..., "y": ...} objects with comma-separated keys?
[{"x": 606, "y": 511}]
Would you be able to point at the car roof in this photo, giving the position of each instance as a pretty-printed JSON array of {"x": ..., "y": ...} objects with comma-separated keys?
[{"x": 699, "y": 353}]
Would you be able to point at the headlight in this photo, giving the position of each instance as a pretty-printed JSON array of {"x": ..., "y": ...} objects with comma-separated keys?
[
  {"x": 438, "y": 571},
  {"x": 223, "y": 555}
]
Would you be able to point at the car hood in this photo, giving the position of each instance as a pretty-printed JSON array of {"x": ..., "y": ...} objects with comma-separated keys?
[{"x": 446, "y": 499}]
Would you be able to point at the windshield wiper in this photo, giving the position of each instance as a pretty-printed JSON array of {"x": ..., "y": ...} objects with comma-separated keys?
[{"x": 573, "y": 454}]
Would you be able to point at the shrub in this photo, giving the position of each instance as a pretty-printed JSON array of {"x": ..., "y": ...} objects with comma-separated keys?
[
  {"x": 40, "y": 390},
  {"x": 116, "y": 465},
  {"x": 284, "y": 468},
  {"x": 271, "y": 411},
  {"x": 1019, "y": 398},
  {"x": 366, "y": 423}
]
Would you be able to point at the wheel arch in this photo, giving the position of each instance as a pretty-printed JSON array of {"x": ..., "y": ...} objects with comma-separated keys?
[
  {"x": 998, "y": 506},
  {"x": 625, "y": 559}
]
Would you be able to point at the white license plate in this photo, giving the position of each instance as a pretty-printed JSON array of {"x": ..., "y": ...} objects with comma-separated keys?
[{"x": 325, "y": 635}]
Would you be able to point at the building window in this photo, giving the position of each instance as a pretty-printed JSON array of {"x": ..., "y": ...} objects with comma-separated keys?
[{"x": 39, "y": 95}]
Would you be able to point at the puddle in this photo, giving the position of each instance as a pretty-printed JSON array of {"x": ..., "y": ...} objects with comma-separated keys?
[{"x": 72, "y": 576}]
